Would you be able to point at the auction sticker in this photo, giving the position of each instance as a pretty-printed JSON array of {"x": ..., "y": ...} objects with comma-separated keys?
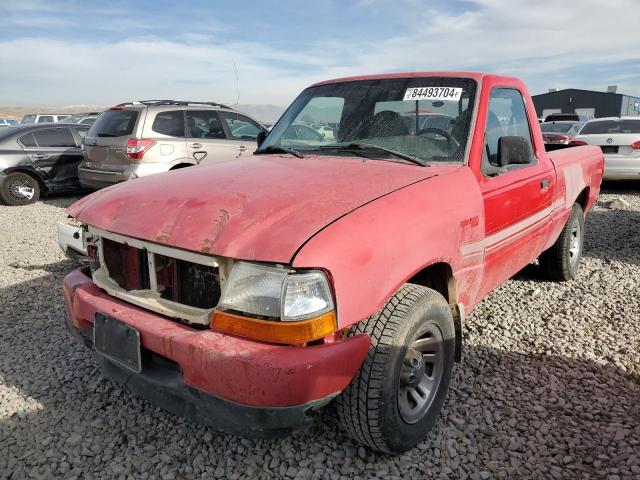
[{"x": 433, "y": 93}]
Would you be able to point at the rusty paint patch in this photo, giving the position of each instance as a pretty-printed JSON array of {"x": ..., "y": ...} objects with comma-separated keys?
[
  {"x": 163, "y": 236},
  {"x": 219, "y": 224}
]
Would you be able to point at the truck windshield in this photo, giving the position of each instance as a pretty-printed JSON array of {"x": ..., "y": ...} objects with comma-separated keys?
[{"x": 416, "y": 119}]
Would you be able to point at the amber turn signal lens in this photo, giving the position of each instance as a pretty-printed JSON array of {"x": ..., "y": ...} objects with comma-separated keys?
[{"x": 275, "y": 331}]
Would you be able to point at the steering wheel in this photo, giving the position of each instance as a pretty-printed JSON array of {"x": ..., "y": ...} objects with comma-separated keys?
[{"x": 451, "y": 142}]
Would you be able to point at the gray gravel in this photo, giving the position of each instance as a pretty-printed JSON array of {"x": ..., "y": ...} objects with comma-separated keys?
[{"x": 549, "y": 386}]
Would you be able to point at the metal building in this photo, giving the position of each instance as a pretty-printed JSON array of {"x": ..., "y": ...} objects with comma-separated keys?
[{"x": 597, "y": 104}]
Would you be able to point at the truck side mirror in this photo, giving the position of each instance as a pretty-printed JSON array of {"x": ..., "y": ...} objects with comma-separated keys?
[
  {"x": 514, "y": 151},
  {"x": 261, "y": 136}
]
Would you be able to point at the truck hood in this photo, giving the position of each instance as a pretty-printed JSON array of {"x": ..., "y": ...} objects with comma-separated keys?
[{"x": 261, "y": 208}]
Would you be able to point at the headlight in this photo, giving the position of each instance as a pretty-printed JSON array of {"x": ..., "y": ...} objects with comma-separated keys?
[
  {"x": 305, "y": 295},
  {"x": 290, "y": 307},
  {"x": 276, "y": 293}
]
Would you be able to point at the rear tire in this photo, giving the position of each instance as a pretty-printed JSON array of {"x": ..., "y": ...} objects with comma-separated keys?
[
  {"x": 562, "y": 260},
  {"x": 397, "y": 394},
  {"x": 18, "y": 188}
]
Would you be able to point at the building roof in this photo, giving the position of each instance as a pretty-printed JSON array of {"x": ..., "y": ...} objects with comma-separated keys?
[{"x": 583, "y": 90}]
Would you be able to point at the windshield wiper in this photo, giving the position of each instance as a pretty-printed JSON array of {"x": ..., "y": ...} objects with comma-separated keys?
[
  {"x": 106, "y": 135},
  {"x": 369, "y": 146},
  {"x": 276, "y": 149}
]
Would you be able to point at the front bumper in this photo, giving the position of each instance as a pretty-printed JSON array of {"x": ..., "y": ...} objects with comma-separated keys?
[
  {"x": 236, "y": 385},
  {"x": 71, "y": 240}
]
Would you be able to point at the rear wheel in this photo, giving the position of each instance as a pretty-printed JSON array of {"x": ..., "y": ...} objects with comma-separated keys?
[
  {"x": 395, "y": 398},
  {"x": 18, "y": 188},
  {"x": 561, "y": 261}
]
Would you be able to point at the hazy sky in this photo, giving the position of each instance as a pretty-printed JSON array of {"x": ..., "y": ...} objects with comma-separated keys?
[{"x": 71, "y": 52}]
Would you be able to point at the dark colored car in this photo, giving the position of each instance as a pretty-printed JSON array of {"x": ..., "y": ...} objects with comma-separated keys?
[
  {"x": 568, "y": 117},
  {"x": 35, "y": 159},
  {"x": 558, "y": 134},
  {"x": 85, "y": 118}
]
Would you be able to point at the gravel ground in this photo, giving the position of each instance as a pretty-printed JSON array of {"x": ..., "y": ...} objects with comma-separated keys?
[{"x": 549, "y": 386}]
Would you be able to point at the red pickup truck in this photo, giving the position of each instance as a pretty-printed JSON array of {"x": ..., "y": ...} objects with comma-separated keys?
[{"x": 337, "y": 262}]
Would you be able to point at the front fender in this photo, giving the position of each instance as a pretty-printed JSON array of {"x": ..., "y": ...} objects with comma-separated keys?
[{"x": 371, "y": 252}]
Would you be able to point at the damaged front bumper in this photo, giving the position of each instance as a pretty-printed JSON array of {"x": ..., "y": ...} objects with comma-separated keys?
[
  {"x": 72, "y": 240},
  {"x": 235, "y": 385}
]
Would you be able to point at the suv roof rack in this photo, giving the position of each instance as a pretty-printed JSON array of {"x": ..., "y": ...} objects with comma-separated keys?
[{"x": 171, "y": 102}]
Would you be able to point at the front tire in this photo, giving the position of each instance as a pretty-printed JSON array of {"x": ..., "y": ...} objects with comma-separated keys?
[
  {"x": 562, "y": 260},
  {"x": 18, "y": 188},
  {"x": 395, "y": 398}
]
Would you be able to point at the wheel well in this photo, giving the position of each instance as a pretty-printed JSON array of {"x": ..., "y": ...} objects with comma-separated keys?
[
  {"x": 439, "y": 277},
  {"x": 181, "y": 165},
  {"x": 583, "y": 198},
  {"x": 32, "y": 174}
]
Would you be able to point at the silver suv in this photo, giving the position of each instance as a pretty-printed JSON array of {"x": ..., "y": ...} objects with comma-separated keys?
[{"x": 141, "y": 138}]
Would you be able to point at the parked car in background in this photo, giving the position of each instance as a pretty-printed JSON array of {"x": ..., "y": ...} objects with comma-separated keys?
[
  {"x": 8, "y": 122},
  {"x": 88, "y": 118},
  {"x": 36, "y": 159},
  {"x": 245, "y": 293},
  {"x": 619, "y": 139},
  {"x": 44, "y": 117},
  {"x": 300, "y": 134},
  {"x": 560, "y": 133},
  {"x": 140, "y": 138},
  {"x": 568, "y": 117}
]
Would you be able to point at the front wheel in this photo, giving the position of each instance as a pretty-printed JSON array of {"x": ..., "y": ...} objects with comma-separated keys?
[
  {"x": 18, "y": 188},
  {"x": 395, "y": 398},
  {"x": 561, "y": 261}
]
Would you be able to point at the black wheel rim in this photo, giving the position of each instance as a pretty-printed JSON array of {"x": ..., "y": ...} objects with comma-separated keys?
[
  {"x": 421, "y": 373},
  {"x": 21, "y": 189}
]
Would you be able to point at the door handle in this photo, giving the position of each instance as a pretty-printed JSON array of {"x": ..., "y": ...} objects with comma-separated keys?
[
  {"x": 544, "y": 184},
  {"x": 196, "y": 145},
  {"x": 40, "y": 156},
  {"x": 242, "y": 148}
]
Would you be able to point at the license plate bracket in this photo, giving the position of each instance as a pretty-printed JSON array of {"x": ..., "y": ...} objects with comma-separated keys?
[{"x": 117, "y": 341}]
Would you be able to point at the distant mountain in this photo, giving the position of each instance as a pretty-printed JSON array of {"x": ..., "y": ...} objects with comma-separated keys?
[{"x": 263, "y": 113}]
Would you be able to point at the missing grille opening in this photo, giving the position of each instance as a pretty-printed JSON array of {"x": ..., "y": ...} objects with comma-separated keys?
[
  {"x": 187, "y": 283},
  {"x": 127, "y": 265}
]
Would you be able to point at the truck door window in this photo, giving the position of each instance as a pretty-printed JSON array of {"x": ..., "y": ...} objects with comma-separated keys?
[{"x": 507, "y": 117}]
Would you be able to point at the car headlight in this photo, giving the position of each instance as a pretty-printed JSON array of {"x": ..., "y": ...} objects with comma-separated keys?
[{"x": 275, "y": 304}]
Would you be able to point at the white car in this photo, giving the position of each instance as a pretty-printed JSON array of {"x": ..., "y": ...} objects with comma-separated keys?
[
  {"x": 44, "y": 118},
  {"x": 619, "y": 138}
]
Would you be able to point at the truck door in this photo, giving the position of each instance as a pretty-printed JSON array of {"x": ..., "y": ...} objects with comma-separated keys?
[{"x": 517, "y": 198}]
